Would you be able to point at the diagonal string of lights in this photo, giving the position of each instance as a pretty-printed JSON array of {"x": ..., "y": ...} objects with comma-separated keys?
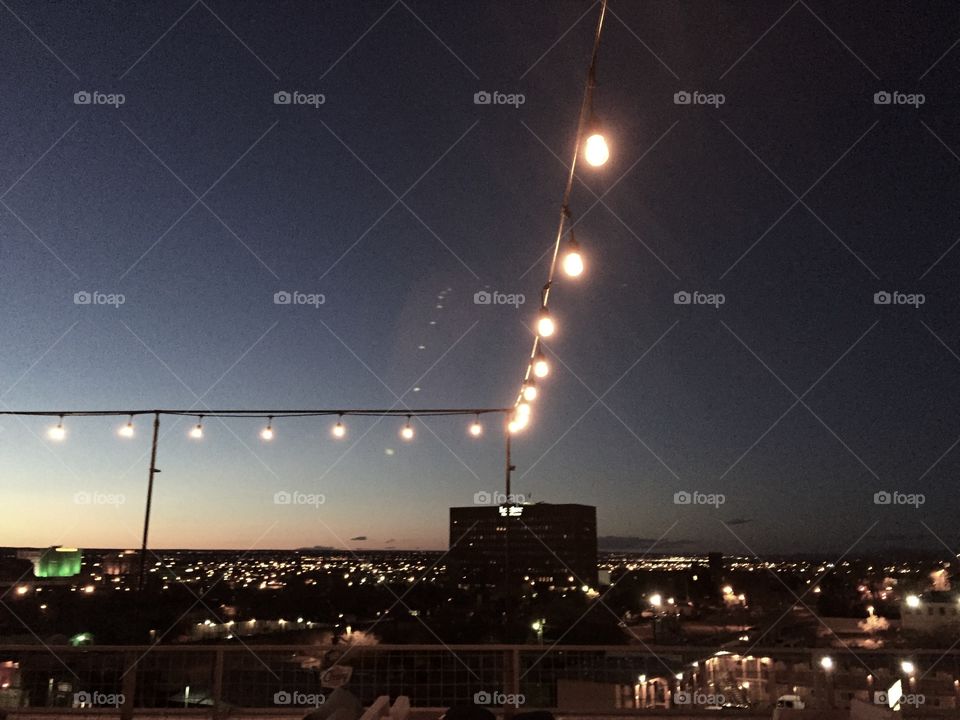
[{"x": 592, "y": 145}]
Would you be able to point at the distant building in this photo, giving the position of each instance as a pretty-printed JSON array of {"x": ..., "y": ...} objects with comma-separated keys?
[
  {"x": 548, "y": 544},
  {"x": 931, "y": 613},
  {"x": 126, "y": 562},
  {"x": 54, "y": 562}
]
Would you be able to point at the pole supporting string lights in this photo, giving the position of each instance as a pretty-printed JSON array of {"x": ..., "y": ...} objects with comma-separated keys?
[{"x": 591, "y": 143}]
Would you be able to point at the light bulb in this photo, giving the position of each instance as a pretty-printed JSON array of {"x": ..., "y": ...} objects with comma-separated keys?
[
  {"x": 196, "y": 432},
  {"x": 126, "y": 430},
  {"x": 476, "y": 429},
  {"x": 57, "y": 432},
  {"x": 541, "y": 367},
  {"x": 339, "y": 430},
  {"x": 407, "y": 432},
  {"x": 595, "y": 150},
  {"x": 545, "y": 325},
  {"x": 573, "y": 262},
  {"x": 519, "y": 422},
  {"x": 529, "y": 391},
  {"x": 267, "y": 432},
  {"x": 523, "y": 409}
]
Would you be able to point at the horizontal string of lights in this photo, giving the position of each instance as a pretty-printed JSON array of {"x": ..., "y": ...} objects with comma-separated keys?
[
  {"x": 58, "y": 432},
  {"x": 591, "y": 143}
]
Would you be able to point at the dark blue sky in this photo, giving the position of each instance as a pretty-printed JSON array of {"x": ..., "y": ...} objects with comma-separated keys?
[{"x": 798, "y": 198}]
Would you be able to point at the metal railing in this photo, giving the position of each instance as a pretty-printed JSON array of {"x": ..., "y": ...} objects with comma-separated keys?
[{"x": 602, "y": 679}]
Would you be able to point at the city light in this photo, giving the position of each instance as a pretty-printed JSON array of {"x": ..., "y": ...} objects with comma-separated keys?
[
  {"x": 907, "y": 667},
  {"x": 656, "y": 600},
  {"x": 826, "y": 662},
  {"x": 913, "y": 601}
]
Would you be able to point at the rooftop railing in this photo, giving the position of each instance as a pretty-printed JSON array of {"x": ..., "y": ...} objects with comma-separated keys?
[{"x": 601, "y": 679}]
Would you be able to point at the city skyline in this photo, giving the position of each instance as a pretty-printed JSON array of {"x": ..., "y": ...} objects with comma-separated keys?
[{"x": 800, "y": 398}]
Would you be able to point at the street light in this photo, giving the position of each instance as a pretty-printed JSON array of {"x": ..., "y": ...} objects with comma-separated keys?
[{"x": 538, "y": 626}]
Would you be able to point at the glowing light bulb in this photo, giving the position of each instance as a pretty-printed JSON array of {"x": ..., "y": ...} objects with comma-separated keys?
[
  {"x": 541, "y": 366},
  {"x": 476, "y": 429},
  {"x": 126, "y": 430},
  {"x": 57, "y": 432},
  {"x": 545, "y": 325},
  {"x": 595, "y": 150},
  {"x": 529, "y": 391},
  {"x": 523, "y": 409},
  {"x": 196, "y": 432},
  {"x": 407, "y": 432},
  {"x": 826, "y": 662},
  {"x": 339, "y": 430},
  {"x": 519, "y": 422},
  {"x": 267, "y": 432}
]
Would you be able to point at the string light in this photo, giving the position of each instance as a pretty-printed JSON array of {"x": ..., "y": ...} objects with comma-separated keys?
[
  {"x": 541, "y": 366},
  {"x": 267, "y": 432},
  {"x": 545, "y": 324},
  {"x": 339, "y": 430},
  {"x": 57, "y": 432},
  {"x": 523, "y": 409},
  {"x": 529, "y": 392},
  {"x": 196, "y": 432},
  {"x": 127, "y": 430},
  {"x": 476, "y": 429},
  {"x": 407, "y": 432},
  {"x": 595, "y": 150},
  {"x": 572, "y": 258}
]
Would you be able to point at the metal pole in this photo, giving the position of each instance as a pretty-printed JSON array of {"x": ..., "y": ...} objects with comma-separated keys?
[{"x": 146, "y": 519}]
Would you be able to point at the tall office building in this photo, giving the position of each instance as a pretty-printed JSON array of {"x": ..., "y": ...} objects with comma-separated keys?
[{"x": 540, "y": 543}]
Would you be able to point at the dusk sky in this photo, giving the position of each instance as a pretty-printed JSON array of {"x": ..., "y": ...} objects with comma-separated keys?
[{"x": 798, "y": 197}]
